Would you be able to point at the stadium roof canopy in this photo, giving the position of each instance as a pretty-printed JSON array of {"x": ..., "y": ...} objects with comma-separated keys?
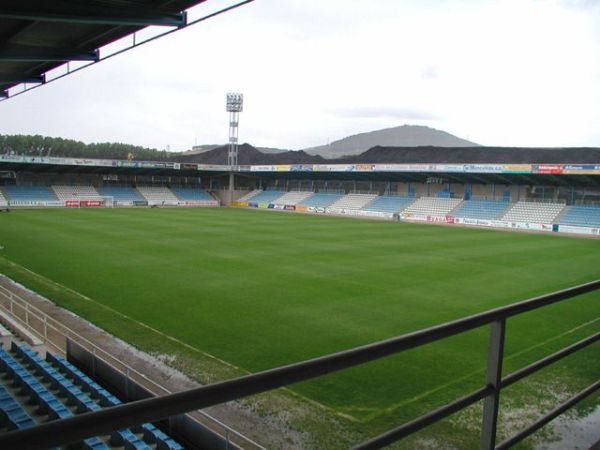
[{"x": 37, "y": 36}]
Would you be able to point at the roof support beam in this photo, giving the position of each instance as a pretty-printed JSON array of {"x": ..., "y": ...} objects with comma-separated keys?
[
  {"x": 31, "y": 53},
  {"x": 8, "y": 79},
  {"x": 89, "y": 12}
]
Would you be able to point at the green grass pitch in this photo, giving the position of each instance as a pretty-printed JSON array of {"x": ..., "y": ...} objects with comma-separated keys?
[{"x": 260, "y": 289}]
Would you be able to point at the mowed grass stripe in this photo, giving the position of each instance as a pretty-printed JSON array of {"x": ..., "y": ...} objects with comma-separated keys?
[{"x": 262, "y": 289}]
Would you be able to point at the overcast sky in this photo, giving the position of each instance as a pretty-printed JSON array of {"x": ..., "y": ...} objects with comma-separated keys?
[{"x": 505, "y": 72}]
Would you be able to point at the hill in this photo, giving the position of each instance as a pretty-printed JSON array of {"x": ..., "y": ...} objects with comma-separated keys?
[
  {"x": 249, "y": 155},
  {"x": 408, "y": 155},
  {"x": 402, "y": 136}
]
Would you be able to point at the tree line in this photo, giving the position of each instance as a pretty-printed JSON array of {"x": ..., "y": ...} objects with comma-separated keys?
[{"x": 36, "y": 145}]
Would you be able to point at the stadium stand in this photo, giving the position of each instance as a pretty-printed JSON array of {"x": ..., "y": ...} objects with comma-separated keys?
[
  {"x": 28, "y": 194},
  {"x": 533, "y": 212},
  {"x": 482, "y": 209},
  {"x": 191, "y": 194},
  {"x": 389, "y": 204},
  {"x": 249, "y": 195},
  {"x": 266, "y": 196},
  {"x": 353, "y": 201},
  {"x": 321, "y": 200},
  {"x": 3, "y": 200},
  {"x": 433, "y": 206},
  {"x": 293, "y": 197},
  {"x": 34, "y": 390},
  {"x": 121, "y": 194},
  {"x": 583, "y": 216},
  {"x": 158, "y": 195},
  {"x": 65, "y": 192}
]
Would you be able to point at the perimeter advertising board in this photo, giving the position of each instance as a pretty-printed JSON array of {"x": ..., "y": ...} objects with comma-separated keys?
[{"x": 578, "y": 230}]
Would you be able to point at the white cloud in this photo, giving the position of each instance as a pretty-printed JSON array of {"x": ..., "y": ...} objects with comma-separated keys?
[{"x": 505, "y": 72}]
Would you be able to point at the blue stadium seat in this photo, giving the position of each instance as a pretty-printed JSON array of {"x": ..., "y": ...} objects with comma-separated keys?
[
  {"x": 12, "y": 414},
  {"x": 482, "y": 209},
  {"x": 191, "y": 194},
  {"x": 389, "y": 204},
  {"x": 29, "y": 194},
  {"x": 151, "y": 433},
  {"x": 39, "y": 394},
  {"x": 583, "y": 216},
  {"x": 121, "y": 193},
  {"x": 321, "y": 200},
  {"x": 266, "y": 197},
  {"x": 65, "y": 386}
]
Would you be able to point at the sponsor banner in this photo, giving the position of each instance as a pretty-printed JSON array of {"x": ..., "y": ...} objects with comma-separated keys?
[
  {"x": 360, "y": 213},
  {"x": 300, "y": 208},
  {"x": 440, "y": 219},
  {"x": 411, "y": 216},
  {"x": 301, "y": 168},
  {"x": 403, "y": 167},
  {"x": 364, "y": 167},
  {"x": 188, "y": 166},
  {"x": 262, "y": 168},
  {"x": 199, "y": 203},
  {"x": 72, "y": 203},
  {"x": 252, "y": 205},
  {"x": 531, "y": 226},
  {"x": 219, "y": 167},
  {"x": 482, "y": 168},
  {"x": 578, "y": 230},
  {"x": 290, "y": 207},
  {"x": 283, "y": 168},
  {"x": 239, "y": 204},
  {"x": 548, "y": 169},
  {"x": 517, "y": 168},
  {"x": 140, "y": 203},
  {"x": 581, "y": 169},
  {"x": 316, "y": 209},
  {"x": 91, "y": 203},
  {"x": 448, "y": 168},
  {"x": 482, "y": 222},
  {"x": 52, "y": 203},
  {"x": 263, "y": 205}
]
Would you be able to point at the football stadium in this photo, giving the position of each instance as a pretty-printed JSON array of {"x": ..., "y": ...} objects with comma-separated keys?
[{"x": 446, "y": 298}]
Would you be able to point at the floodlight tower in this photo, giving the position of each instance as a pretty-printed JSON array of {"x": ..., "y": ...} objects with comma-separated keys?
[{"x": 235, "y": 105}]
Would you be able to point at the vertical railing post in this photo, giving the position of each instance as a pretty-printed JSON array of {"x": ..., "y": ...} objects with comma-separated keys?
[{"x": 493, "y": 377}]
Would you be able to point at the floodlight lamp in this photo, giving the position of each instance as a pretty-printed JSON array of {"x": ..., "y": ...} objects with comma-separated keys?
[{"x": 235, "y": 102}]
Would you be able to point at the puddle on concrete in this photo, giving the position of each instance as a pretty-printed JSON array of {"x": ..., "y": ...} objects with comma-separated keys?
[{"x": 574, "y": 433}]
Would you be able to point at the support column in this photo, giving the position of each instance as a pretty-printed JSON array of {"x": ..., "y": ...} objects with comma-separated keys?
[
  {"x": 231, "y": 188},
  {"x": 493, "y": 378}
]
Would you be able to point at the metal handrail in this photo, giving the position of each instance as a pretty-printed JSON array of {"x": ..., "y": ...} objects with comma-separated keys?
[
  {"x": 89, "y": 424},
  {"x": 50, "y": 323}
]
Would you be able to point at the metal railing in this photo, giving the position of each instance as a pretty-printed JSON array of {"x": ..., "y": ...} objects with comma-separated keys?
[
  {"x": 102, "y": 422},
  {"x": 55, "y": 335}
]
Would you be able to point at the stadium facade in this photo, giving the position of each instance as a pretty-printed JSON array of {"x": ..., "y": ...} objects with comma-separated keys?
[{"x": 563, "y": 198}]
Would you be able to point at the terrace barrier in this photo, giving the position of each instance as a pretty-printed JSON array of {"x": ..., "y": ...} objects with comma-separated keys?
[
  {"x": 56, "y": 336},
  {"x": 102, "y": 422}
]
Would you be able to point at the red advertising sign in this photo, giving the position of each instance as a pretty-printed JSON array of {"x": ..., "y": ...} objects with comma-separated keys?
[
  {"x": 91, "y": 203},
  {"x": 72, "y": 203},
  {"x": 548, "y": 169}
]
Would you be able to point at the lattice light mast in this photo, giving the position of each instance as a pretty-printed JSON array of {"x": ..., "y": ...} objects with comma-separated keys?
[{"x": 235, "y": 105}]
